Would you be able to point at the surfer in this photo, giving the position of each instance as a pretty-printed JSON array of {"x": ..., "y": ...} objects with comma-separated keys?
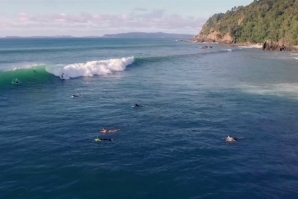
[
  {"x": 137, "y": 105},
  {"x": 73, "y": 96},
  {"x": 16, "y": 81},
  {"x": 98, "y": 139},
  {"x": 231, "y": 139},
  {"x": 62, "y": 76},
  {"x": 105, "y": 130}
]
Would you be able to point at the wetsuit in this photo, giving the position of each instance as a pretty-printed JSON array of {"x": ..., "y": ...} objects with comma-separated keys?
[{"x": 104, "y": 139}]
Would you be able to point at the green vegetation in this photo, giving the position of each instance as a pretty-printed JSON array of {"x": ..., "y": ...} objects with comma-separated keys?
[{"x": 257, "y": 22}]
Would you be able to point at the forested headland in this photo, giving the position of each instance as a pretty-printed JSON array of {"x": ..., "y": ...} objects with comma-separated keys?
[{"x": 271, "y": 22}]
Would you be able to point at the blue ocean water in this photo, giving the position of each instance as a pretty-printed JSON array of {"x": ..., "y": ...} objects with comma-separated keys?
[{"x": 173, "y": 146}]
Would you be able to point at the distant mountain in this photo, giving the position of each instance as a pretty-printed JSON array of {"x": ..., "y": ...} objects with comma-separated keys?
[
  {"x": 148, "y": 35},
  {"x": 55, "y": 36}
]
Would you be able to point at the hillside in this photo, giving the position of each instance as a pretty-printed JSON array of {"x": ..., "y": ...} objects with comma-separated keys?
[
  {"x": 148, "y": 35},
  {"x": 274, "y": 21}
]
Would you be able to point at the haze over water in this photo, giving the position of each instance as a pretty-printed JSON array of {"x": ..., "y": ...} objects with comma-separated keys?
[{"x": 173, "y": 146}]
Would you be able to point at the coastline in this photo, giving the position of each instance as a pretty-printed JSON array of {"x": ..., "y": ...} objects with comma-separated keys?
[{"x": 244, "y": 44}]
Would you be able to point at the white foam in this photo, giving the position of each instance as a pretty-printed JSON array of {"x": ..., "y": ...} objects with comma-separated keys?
[
  {"x": 91, "y": 68},
  {"x": 229, "y": 50},
  {"x": 282, "y": 89},
  {"x": 251, "y": 46},
  {"x": 294, "y": 55}
]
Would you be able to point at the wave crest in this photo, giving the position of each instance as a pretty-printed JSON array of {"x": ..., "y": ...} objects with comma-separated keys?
[{"x": 91, "y": 68}]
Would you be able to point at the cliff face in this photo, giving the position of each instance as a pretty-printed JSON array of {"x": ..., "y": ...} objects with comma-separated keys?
[
  {"x": 210, "y": 33},
  {"x": 273, "y": 21},
  {"x": 215, "y": 36}
]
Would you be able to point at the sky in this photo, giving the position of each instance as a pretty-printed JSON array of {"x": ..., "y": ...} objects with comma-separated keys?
[{"x": 98, "y": 17}]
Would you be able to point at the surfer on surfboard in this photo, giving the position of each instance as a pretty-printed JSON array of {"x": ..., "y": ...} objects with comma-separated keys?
[
  {"x": 98, "y": 139},
  {"x": 73, "y": 96},
  {"x": 16, "y": 81}
]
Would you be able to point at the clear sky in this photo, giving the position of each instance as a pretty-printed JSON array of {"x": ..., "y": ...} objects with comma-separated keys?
[{"x": 98, "y": 17}]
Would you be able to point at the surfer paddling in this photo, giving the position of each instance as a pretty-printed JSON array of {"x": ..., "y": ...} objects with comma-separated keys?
[
  {"x": 232, "y": 139},
  {"x": 136, "y": 106},
  {"x": 105, "y": 130}
]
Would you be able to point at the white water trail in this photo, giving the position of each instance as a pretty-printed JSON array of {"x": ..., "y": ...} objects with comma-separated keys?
[{"x": 281, "y": 89}]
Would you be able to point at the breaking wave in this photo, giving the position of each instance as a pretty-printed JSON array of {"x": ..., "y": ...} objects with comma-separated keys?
[
  {"x": 30, "y": 73},
  {"x": 35, "y": 72}
]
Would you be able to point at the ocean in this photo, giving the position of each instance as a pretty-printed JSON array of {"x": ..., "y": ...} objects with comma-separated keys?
[{"x": 173, "y": 146}]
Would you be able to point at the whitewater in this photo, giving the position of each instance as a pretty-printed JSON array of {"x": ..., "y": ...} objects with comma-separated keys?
[
  {"x": 102, "y": 67},
  {"x": 173, "y": 146}
]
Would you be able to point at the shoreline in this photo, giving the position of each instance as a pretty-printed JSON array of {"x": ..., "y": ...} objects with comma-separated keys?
[{"x": 249, "y": 45}]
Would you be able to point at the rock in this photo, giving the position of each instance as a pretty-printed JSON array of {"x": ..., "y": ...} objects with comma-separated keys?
[
  {"x": 277, "y": 46},
  {"x": 205, "y": 47}
]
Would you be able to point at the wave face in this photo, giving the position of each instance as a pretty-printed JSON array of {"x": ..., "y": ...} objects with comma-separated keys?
[
  {"x": 23, "y": 75},
  {"x": 35, "y": 73}
]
